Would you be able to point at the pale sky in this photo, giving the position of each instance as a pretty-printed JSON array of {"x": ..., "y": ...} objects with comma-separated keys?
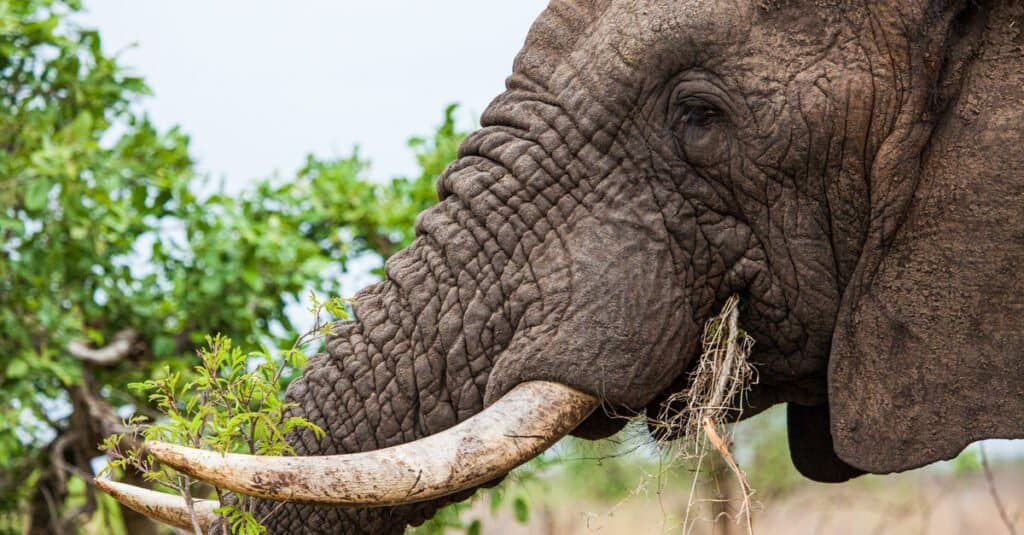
[{"x": 258, "y": 84}]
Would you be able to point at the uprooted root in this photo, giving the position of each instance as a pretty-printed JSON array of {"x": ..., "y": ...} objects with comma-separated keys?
[{"x": 715, "y": 396}]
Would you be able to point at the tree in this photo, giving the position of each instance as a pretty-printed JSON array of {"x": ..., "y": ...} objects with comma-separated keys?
[{"x": 112, "y": 265}]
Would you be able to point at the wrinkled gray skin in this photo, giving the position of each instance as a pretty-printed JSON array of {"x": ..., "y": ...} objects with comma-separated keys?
[{"x": 854, "y": 172}]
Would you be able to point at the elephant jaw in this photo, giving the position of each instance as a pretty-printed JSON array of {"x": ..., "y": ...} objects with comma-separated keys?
[{"x": 519, "y": 426}]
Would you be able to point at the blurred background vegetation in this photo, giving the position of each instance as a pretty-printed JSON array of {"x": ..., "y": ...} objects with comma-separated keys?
[{"x": 117, "y": 258}]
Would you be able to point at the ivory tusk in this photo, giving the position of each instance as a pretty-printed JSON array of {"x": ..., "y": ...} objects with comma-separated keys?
[
  {"x": 519, "y": 426},
  {"x": 167, "y": 508}
]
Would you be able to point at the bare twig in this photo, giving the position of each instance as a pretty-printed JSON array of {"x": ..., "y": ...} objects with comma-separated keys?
[
  {"x": 186, "y": 489},
  {"x": 995, "y": 492},
  {"x": 267, "y": 516}
]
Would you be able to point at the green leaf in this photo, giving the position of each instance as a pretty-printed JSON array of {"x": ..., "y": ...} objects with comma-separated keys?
[
  {"x": 37, "y": 193},
  {"x": 8, "y": 223},
  {"x": 163, "y": 346},
  {"x": 252, "y": 279},
  {"x": 16, "y": 369},
  {"x": 80, "y": 129},
  {"x": 521, "y": 510}
]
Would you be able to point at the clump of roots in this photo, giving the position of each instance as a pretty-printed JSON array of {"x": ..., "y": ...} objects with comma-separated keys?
[{"x": 722, "y": 376}]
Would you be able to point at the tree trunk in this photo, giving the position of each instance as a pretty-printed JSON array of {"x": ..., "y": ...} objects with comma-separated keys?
[
  {"x": 69, "y": 455},
  {"x": 43, "y": 512}
]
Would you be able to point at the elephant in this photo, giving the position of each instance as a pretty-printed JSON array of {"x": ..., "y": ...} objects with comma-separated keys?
[{"x": 853, "y": 170}]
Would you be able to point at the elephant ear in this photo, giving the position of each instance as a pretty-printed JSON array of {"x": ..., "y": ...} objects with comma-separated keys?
[{"x": 928, "y": 352}]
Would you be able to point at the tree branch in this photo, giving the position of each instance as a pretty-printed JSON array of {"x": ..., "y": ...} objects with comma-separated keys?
[{"x": 119, "y": 347}]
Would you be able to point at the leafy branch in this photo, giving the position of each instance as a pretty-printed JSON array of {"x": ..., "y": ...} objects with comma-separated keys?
[{"x": 232, "y": 402}]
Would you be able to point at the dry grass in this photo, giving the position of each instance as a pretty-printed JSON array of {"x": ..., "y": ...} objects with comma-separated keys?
[{"x": 718, "y": 382}]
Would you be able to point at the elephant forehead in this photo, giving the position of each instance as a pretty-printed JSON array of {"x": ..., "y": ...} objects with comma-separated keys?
[
  {"x": 634, "y": 45},
  {"x": 638, "y": 29}
]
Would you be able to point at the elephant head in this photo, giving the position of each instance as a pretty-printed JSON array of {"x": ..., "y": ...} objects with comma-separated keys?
[{"x": 853, "y": 170}]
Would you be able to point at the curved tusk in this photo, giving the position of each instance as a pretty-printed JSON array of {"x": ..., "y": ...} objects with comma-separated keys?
[
  {"x": 167, "y": 508},
  {"x": 519, "y": 426}
]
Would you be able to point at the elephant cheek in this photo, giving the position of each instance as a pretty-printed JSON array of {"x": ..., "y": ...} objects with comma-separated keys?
[{"x": 617, "y": 329}]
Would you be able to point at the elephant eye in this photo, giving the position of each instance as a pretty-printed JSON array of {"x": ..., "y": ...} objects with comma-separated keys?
[
  {"x": 698, "y": 133},
  {"x": 698, "y": 114}
]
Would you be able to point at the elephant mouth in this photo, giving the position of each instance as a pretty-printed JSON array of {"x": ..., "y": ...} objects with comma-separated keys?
[{"x": 519, "y": 426}]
